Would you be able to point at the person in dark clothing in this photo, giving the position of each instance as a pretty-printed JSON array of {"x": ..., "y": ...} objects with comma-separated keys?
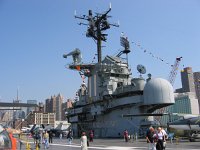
[
  {"x": 70, "y": 136},
  {"x": 126, "y": 135},
  {"x": 151, "y": 139},
  {"x": 91, "y": 135},
  {"x": 50, "y": 137}
]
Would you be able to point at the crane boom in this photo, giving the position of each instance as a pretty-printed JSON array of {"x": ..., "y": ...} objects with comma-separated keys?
[
  {"x": 173, "y": 73},
  {"x": 172, "y": 77}
]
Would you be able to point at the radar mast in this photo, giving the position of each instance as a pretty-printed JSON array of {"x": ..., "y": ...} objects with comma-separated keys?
[{"x": 96, "y": 26}]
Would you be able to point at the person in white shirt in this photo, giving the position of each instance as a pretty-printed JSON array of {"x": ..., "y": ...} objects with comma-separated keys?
[
  {"x": 166, "y": 137},
  {"x": 161, "y": 139},
  {"x": 84, "y": 141}
]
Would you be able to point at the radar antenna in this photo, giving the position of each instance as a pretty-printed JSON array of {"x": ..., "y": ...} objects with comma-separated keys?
[
  {"x": 125, "y": 44},
  {"x": 96, "y": 26},
  {"x": 141, "y": 69}
]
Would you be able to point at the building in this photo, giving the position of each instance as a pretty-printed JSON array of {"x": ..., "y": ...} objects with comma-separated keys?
[
  {"x": 54, "y": 105},
  {"x": 41, "y": 107},
  {"x": 39, "y": 118},
  {"x": 186, "y": 98},
  {"x": 197, "y": 85},
  {"x": 59, "y": 101},
  {"x": 65, "y": 108},
  {"x": 6, "y": 117},
  {"x": 187, "y": 80},
  {"x": 185, "y": 103},
  {"x": 190, "y": 82},
  {"x": 50, "y": 104}
]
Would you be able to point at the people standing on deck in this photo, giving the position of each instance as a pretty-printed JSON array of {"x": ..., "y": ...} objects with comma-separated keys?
[
  {"x": 60, "y": 135},
  {"x": 50, "y": 137},
  {"x": 84, "y": 142},
  {"x": 126, "y": 135},
  {"x": 151, "y": 139},
  {"x": 161, "y": 139},
  {"x": 91, "y": 134},
  {"x": 37, "y": 138},
  {"x": 69, "y": 136},
  {"x": 166, "y": 137},
  {"x": 46, "y": 140},
  {"x": 41, "y": 136}
]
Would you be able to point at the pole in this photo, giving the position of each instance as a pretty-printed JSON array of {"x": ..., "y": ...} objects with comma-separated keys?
[
  {"x": 99, "y": 50},
  {"x": 99, "y": 43},
  {"x": 13, "y": 117}
]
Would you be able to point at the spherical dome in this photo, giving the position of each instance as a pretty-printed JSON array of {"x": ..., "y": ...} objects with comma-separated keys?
[{"x": 158, "y": 91}]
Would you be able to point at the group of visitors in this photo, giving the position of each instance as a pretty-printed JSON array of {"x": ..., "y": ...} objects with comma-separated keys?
[
  {"x": 156, "y": 139},
  {"x": 42, "y": 137}
]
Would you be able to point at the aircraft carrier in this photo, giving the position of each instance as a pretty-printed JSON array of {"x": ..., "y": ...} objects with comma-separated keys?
[{"x": 113, "y": 100}]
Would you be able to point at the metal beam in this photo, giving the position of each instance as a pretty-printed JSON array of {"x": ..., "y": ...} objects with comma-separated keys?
[
  {"x": 3, "y": 104},
  {"x": 144, "y": 114},
  {"x": 10, "y": 108}
]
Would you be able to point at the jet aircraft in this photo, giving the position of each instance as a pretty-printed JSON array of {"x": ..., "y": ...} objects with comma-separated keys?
[{"x": 188, "y": 123}]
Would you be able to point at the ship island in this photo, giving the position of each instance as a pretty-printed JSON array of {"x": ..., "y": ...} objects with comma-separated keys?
[{"x": 112, "y": 100}]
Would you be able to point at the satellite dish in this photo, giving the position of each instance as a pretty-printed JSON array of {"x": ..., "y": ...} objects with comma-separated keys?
[{"x": 141, "y": 69}]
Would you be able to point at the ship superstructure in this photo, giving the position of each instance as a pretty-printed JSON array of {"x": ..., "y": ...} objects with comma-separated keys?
[{"x": 113, "y": 100}]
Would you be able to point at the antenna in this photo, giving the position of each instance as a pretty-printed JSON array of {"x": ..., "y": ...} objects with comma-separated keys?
[
  {"x": 141, "y": 69},
  {"x": 96, "y": 26},
  {"x": 125, "y": 44}
]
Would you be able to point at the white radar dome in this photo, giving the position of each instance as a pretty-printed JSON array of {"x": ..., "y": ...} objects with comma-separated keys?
[{"x": 158, "y": 91}]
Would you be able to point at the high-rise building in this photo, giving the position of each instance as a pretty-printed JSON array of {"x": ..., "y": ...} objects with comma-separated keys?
[
  {"x": 51, "y": 104},
  {"x": 186, "y": 98},
  {"x": 47, "y": 105},
  {"x": 54, "y": 105},
  {"x": 59, "y": 101},
  {"x": 187, "y": 80},
  {"x": 41, "y": 107},
  {"x": 197, "y": 85},
  {"x": 65, "y": 108},
  {"x": 185, "y": 103}
]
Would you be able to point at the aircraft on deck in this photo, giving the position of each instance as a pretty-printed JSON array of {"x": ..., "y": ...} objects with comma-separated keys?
[{"x": 188, "y": 122}]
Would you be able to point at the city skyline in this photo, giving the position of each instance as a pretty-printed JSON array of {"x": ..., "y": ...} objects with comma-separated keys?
[{"x": 35, "y": 34}]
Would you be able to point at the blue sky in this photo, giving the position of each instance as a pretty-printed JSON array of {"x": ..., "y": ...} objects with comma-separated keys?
[{"x": 35, "y": 34}]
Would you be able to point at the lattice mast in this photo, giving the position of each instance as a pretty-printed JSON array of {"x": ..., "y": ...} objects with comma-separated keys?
[{"x": 96, "y": 26}]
